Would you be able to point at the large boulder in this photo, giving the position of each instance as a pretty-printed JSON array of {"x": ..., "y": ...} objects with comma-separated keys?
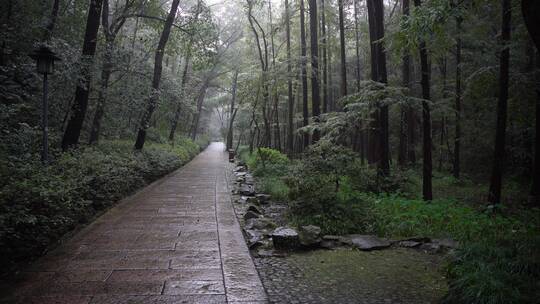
[
  {"x": 368, "y": 242},
  {"x": 251, "y": 215},
  {"x": 330, "y": 241},
  {"x": 309, "y": 235},
  {"x": 263, "y": 198},
  {"x": 246, "y": 190},
  {"x": 254, "y": 209},
  {"x": 285, "y": 238},
  {"x": 260, "y": 223}
]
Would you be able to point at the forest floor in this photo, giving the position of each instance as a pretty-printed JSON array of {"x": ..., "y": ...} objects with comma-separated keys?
[{"x": 176, "y": 241}]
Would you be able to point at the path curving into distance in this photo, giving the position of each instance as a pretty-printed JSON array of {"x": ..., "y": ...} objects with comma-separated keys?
[{"x": 175, "y": 241}]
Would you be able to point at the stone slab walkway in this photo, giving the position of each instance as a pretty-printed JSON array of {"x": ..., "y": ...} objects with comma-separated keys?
[{"x": 176, "y": 241}]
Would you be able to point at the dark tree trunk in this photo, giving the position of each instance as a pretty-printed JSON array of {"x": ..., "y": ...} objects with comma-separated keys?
[
  {"x": 100, "y": 108},
  {"x": 197, "y": 117},
  {"x": 343, "y": 70},
  {"x": 379, "y": 74},
  {"x": 457, "y": 140},
  {"x": 230, "y": 134},
  {"x": 315, "y": 94},
  {"x": 52, "y": 21},
  {"x": 531, "y": 11},
  {"x": 78, "y": 110},
  {"x": 325, "y": 58},
  {"x": 357, "y": 46},
  {"x": 106, "y": 69},
  {"x": 290, "y": 98},
  {"x": 305, "y": 113},
  {"x": 158, "y": 61},
  {"x": 495, "y": 186},
  {"x": 405, "y": 115},
  {"x": 427, "y": 162}
]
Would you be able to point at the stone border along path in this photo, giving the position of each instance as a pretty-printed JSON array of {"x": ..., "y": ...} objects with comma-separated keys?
[{"x": 176, "y": 241}]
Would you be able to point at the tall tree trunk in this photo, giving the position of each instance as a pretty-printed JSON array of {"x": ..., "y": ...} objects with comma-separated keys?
[
  {"x": 303, "y": 51},
  {"x": 315, "y": 94},
  {"x": 427, "y": 166},
  {"x": 324, "y": 48},
  {"x": 290, "y": 98},
  {"x": 158, "y": 61},
  {"x": 343, "y": 70},
  {"x": 379, "y": 74},
  {"x": 405, "y": 115},
  {"x": 230, "y": 132},
  {"x": 74, "y": 126},
  {"x": 110, "y": 34},
  {"x": 457, "y": 139},
  {"x": 199, "y": 103},
  {"x": 106, "y": 72},
  {"x": 531, "y": 10},
  {"x": 52, "y": 21},
  {"x": 357, "y": 46},
  {"x": 494, "y": 195}
]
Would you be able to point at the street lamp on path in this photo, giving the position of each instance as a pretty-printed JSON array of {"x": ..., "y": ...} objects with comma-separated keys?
[{"x": 45, "y": 65}]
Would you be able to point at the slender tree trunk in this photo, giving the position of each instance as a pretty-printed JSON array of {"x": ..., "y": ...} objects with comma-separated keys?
[
  {"x": 427, "y": 166},
  {"x": 230, "y": 132},
  {"x": 158, "y": 61},
  {"x": 324, "y": 48},
  {"x": 457, "y": 140},
  {"x": 531, "y": 10},
  {"x": 315, "y": 93},
  {"x": 343, "y": 70},
  {"x": 290, "y": 98},
  {"x": 379, "y": 74},
  {"x": 74, "y": 126},
  {"x": 357, "y": 46},
  {"x": 102, "y": 96},
  {"x": 305, "y": 113},
  {"x": 494, "y": 195},
  {"x": 52, "y": 21},
  {"x": 197, "y": 117}
]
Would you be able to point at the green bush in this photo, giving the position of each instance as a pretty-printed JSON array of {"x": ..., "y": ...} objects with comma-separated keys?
[{"x": 38, "y": 204}]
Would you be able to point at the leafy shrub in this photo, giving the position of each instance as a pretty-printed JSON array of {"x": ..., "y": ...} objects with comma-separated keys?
[
  {"x": 268, "y": 162},
  {"x": 38, "y": 204}
]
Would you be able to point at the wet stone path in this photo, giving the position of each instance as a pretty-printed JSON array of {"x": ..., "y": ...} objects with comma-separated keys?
[{"x": 176, "y": 241}]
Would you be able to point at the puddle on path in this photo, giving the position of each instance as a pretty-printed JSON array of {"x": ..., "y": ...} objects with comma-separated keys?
[{"x": 350, "y": 276}]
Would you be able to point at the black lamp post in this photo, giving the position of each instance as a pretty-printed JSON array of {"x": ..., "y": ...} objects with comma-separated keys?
[{"x": 45, "y": 65}]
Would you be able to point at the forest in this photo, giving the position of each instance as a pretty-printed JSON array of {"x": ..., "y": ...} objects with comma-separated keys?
[{"x": 402, "y": 119}]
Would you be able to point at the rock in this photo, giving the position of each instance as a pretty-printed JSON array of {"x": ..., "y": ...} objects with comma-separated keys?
[
  {"x": 240, "y": 169},
  {"x": 260, "y": 223},
  {"x": 447, "y": 243},
  {"x": 240, "y": 179},
  {"x": 246, "y": 190},
  {"x": 419, "y": 239},
  {"x": 241, "y": 200},
  {"x": 368, "y": 242},
  {"x": 251, "y": 215},
  {"x": 431, "y": 247},
  {"x": 309, "y": 235},
  {"x": 263, "y": 198},
  {"x": 330, "y": 241},
  {"x": 240, "y": 174},
  {"x": 409, "y": 244},
  {"x": 254, "y": 209},
  {"x": 241, "y": 163},
  {"x": 252, "y": 200},
  {"x": 254, "y": 238},
  {"x": 249, "y": 180},
  {"x": 285, "y": 238}
]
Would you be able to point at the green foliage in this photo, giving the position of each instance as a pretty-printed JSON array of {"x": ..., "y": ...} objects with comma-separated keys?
[{"x": 38, "y": 204}]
